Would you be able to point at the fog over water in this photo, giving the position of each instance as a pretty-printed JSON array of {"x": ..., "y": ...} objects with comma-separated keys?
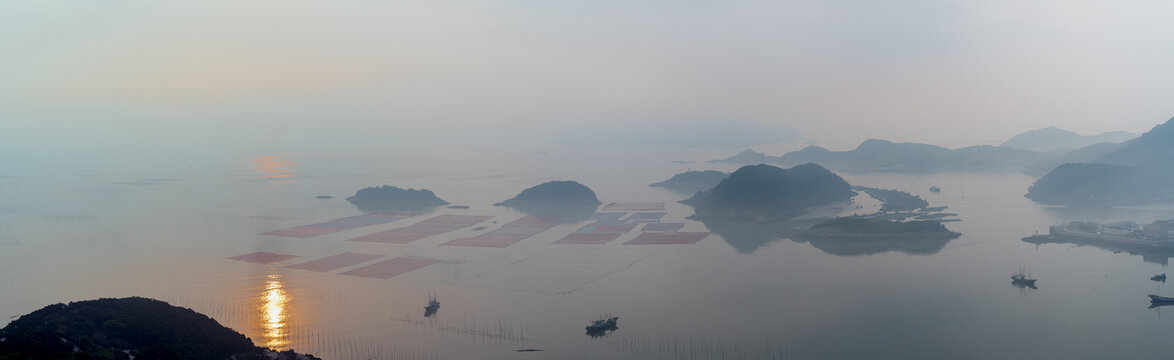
[{"x": 154, "y": 149}]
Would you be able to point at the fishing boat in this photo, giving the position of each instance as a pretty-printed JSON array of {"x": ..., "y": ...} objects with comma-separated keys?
[
  {"x": 432, "y": 307},
  {"x": 603, "y": 324},
  {"x": 1160, "y": 277},
  {"x": 1020, "y": 279},
  {"x": 1160, "y": 299}
]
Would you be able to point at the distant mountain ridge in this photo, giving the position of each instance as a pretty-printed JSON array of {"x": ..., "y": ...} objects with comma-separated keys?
[
  {"x": 1135, "y": 172},
  {"x": 874, "y": 155},
  {"x": 1056, "y": 139}
]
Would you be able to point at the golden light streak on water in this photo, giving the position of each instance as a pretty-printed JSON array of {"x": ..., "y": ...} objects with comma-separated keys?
[
  {"x": 274, "y": 314},
  {"x": 274, "y": 167}
]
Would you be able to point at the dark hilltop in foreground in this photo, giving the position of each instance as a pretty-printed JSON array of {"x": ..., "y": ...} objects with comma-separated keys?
[
  {"x": 391, "y": 198},
  {"x": 766, "y": 193},
  {"x": 127, "y": 328}
]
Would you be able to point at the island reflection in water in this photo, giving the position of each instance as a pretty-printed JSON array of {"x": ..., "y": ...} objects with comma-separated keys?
[
  {"x": 748, "y": 236},
  {"x": 273, "y": 313}
]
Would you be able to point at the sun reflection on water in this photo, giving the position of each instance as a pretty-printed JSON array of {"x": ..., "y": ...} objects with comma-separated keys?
[
  {"x": 273, "y": 313},
  {"x": 274, "y": 167}
]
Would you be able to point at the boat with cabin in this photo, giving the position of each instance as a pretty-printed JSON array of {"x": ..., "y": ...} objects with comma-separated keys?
[
  {"x": 1020, "y": 279},
  {"x": 1155, "y": 299},
  {"x": 432, "y": 307},
  {"x": 603, "y": 324}
]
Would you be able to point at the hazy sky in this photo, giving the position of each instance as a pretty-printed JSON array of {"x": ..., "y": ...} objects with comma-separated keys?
[{"x": 951, "y": 73}]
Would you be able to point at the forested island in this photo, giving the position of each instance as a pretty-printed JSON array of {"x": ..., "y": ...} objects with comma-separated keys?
[
  {"x": 553, "y": 193},
  {"x": 126, "y": 328},
  {"x": 569, "y": 201},
  {"x": 766, "y": 193},
  {"x": 391, "y": 198}
]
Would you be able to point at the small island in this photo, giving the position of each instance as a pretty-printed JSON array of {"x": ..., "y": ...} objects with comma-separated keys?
[
  {"x": 391, "y": 198},
  {"x": 553, "y": 193},
  {"x": 768, "y": 193},
  {"x": 569, "y": 201},
  {"x": 693, "y": 181},
  {"x": 127, "y": 328}
]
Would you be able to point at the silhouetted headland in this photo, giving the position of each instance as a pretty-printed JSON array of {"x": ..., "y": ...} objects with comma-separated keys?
[
  {"x": 127, "y": 328},
  {"x": 391, "y": 198},
  {"x": 569, "y": 201}
]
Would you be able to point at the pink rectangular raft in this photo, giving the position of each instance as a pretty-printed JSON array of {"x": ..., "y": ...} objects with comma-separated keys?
[
  {"x": 336, "y": 225},
  {"x": 663, "y": 227},
  {"x": 634, "y": 206},
  {"x": 588, "y": 238},
  {"x": 334, "y": 262},
  {"x": 387, "y": 269},
  {"x": 668, "y": 238},
  {"x": 262, "y": 257},
  {"x": 645, "y": 217},
  {"x": 508, "y": 234},
  {"x": 434, "y": 226}
]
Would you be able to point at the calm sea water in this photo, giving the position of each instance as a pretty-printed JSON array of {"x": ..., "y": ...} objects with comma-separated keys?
[{"x": 165, "y": 230}]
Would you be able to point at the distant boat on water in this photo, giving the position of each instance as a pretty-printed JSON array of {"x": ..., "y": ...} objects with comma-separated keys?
[
  {"x": 1155, "y": 299},
  {"x": 1020, "y": 279},
  {"x": 1160, "y": 277},
  {"x": 935, "y": 189},
  {"x": 432, "y": 307},
  {"x": 603, "y": 324}
]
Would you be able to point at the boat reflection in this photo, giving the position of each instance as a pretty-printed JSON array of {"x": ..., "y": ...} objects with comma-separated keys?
[{"x": 274, "y": 314}]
